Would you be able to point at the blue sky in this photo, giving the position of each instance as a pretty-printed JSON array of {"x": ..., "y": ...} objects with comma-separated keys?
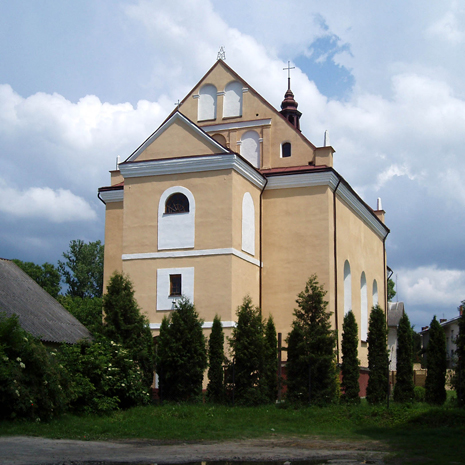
[{"x": 84, "y": 82}]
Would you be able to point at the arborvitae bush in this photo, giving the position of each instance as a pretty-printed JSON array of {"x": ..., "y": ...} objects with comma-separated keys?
[
  {"x": 181, "y": 354},
  {"x": 270, "y": 370},
  {"x": 459, "y": 378},
  {"x": 404, "y": 388},
  {"x": 215, "y": 388},
  {"x": 248, "y": 351},
  {"x": 311, "y": 349},
  {"x": 124, "y": 324},
  {"x": 436, "y": 364},
  {"x": 350, "y": 367},
  {"x": 378, "y": 359}
]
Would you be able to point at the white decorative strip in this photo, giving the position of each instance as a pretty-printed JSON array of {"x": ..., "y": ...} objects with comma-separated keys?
[
  {"x": 221, "y": 92},
  {"x": 287, "y": 181},
  {"x": 196, "y": 96},
  {"x": 361, "y": 210},
  {"x": 206, "y": 324},
  {"x": 112, "y": 196},
  {"x": 237, "y": 125},
  {"x": 191, "y": 253},
  {"x": 193, "y": 165},
  {"x": 245, "y": 89}
]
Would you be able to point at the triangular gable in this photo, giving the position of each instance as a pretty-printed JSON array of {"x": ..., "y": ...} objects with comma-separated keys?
[{"x": 178, "y": 136}]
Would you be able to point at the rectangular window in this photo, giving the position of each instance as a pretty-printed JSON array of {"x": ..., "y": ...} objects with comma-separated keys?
[{"x": 175, "y": 285}]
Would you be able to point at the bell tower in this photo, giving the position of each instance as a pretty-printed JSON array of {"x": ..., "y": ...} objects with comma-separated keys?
[{"x": 289, "y": 105}]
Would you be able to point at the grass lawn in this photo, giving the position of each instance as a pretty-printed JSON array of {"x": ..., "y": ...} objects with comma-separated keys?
[{"x": 414, "y": 431}]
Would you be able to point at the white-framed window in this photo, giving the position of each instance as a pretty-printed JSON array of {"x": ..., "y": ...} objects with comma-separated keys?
[
  {"x": 232, "y": 103},
  {"x": 176, "y": 226},
  {"x": 250, "y": 147},
  {"x": 207, "y": 102},
  {"x": 248, "y": 224},
  {"x": 363, "y": 308},
  {"x": 347, "y": 288},
  {"x": 286, "y": 150},
  {"x": 172, "y": 284}
]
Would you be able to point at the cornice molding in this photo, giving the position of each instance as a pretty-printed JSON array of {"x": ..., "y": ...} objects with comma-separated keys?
[
  {"x": 237, "y": 125},
  {"x": 193, "y": 165},
  {"x": 205, "y": 325},
  {"x": 192, "y": 253},
  {"x": 116, "y": 195}
]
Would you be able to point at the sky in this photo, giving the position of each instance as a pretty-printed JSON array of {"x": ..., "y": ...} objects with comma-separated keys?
[{"x": 84, "y": 82}]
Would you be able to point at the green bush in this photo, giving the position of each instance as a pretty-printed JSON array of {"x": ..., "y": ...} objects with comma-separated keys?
[
  {"x": 32, "y": 383},
  {"x": 103, "y": 377},
  {"x": 419, "y": 393}
]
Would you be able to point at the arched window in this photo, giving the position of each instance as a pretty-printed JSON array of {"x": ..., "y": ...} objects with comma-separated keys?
[
  {"x": 248, "y": 224},
  {"x": 177, "y": 203},
  {"x": 375, "y": 293},
  {"x": 347, "y": 288},
  {"x": 220, "y": 139},
  {"x": 286, "y": 149},
  {"x": 176, "y": 219},
  {"x": 232, "y": 103},
  {"x": 207, "y": 102},
  {"x": 250, "y": 148},
  {"x": 363, "y": 308}
]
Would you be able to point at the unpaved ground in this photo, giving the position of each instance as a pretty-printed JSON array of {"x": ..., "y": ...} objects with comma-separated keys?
[{"x": 23, "y": 450}]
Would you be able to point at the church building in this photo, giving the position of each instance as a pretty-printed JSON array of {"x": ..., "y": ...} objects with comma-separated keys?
[{"x": 228, "y": 198}]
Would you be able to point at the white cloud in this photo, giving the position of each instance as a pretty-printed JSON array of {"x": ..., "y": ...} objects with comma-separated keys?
[
  {"x": 44, "y": 203},
  {"x": 392, "y": 171},
  {"x": 429, "y": 285},
  {"x": 448, "y": 28}
]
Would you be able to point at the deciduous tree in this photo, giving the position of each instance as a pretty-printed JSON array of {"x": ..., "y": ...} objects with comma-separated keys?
[
  {"x": 403, "y": 390},
  {"x": 46, "y": 275},
  {"x": 350, "y": 367},
  {"x": 311, "y": 349},
  {"x": 436, "y": 364},
  {"x": 82, "y": 270},
  {"x": 378, "y": 359}
]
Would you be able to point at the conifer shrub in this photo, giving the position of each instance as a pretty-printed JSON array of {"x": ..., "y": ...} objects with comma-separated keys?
[
  {"x": 215, "y": 387},
  {"x": 32, "y": 383},
  {"x": 182, "y": 354},
  {"x": 378, "y": 359},
  {"x": 126, "y": 325},
  {"x": 350, "y": 367},
  {"x": 248, "y": 351},
  {"x": 404, "y": 388},
  {"x": 270, "y": 369},
  {"x": 311, "y": 367},
  {"x": 436, "y": 364},
  {"x": 459, "y": 378}
]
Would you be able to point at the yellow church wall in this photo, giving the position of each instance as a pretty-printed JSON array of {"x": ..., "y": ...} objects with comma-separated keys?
[
  {"x": 116, "y": 177},
  {"x": 179, "y": 140},
  {"x": 113, "y": 240},
  {"x": 296, "y": 244},
  {"x": 253, "y": 108},
  {"x": 213, "y": 206},
  {"x": 363, "y": 248}
]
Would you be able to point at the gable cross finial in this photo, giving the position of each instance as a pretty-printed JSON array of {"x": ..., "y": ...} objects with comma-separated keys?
[
  {"x": 221, "y": 54},
  {"x": 289, "y": 74},
  {"x": 178, "y": 103}
]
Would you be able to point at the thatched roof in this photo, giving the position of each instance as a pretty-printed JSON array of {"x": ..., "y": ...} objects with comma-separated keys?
[{"x": 38, "y": 312}]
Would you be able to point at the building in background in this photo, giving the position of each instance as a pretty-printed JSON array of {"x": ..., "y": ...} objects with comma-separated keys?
[{"x": 228, "y": 198}]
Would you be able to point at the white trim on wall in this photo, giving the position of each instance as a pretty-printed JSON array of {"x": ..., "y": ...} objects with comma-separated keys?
[
  {"x": 192, "y": 253},
  {"x": 206, "y": 325},
  {"x": 237, "y": 125}
]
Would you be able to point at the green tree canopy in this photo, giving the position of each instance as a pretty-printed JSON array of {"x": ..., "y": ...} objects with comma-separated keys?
[
  {"x": 436, "y": 364},
  {"x": 311, "y": 349},
  {"x": 350, "y": 367},
  {"x": 391, "y": 289},
  {"x": 459, "y": 379},
  {"x": 403, "y": 390},
  {"x": 47, "y": 275},
  {"x": 270, "y": 369},
  {"x": 124, "y": 324},
  {"x": 82, "y": 269},
  {"x": 215, "y": 388},
  {"x": 378, "y": 358},
  {"x": 87, "y": 310},
  {"x": 182, "y": 354}
]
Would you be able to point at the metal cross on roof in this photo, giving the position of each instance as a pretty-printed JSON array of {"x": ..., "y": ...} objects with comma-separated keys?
[
  {"x": 178, "y": 103},
  {"x": 289, "y": 73},
  {"x": 221, "y": 54}
]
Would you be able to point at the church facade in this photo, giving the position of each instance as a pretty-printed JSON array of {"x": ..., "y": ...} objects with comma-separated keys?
[{"x": 227, "y": 198}]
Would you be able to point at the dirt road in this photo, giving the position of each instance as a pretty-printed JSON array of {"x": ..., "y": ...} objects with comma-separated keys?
[{"x": 22, "y": 450}]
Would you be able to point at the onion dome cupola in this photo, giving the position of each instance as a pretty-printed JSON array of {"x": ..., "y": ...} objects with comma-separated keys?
[{"x": 289, "y": 105}]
